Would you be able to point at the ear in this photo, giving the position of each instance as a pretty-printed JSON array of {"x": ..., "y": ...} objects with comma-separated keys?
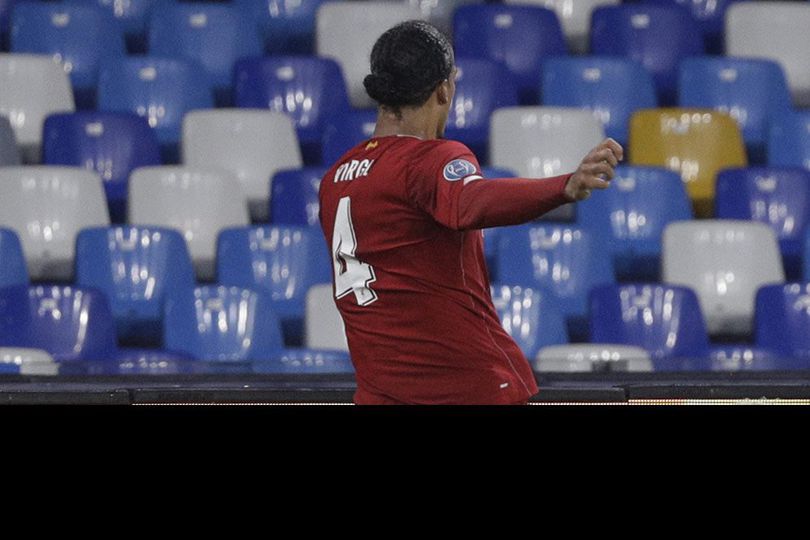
[{"x": 443, "y": 92}]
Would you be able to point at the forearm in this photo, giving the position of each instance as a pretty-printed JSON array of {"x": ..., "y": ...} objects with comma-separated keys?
[{"x": 509, "y": 201}]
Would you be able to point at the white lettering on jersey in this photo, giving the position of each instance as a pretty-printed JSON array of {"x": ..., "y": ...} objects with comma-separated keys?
[{"x": 353, "y": 169}]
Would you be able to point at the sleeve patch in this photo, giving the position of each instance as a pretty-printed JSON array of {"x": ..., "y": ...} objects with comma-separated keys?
[{"x": 458, "y": 169}]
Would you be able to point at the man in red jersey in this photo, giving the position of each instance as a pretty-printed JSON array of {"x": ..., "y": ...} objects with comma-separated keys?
[{"x": 402, "y": 213}]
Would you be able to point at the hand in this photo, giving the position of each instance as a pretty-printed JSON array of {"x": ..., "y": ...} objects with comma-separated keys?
[{"x": 596, "y": 170}]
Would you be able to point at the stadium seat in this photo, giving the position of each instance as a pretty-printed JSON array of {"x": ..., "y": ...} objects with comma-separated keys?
[
  {"x": 215, "y": 35},
  {"x": 285, "y": 27},
  {"x": 710, "y": 18},
  {"x": 658, "y": 37},
  {"x": 308, "y": 89},
  {"x": 778, "y": 197},
  {"x": 294, "y": 197},
  {"x": 27, "y": 361},
  {"x": 632, "y": 214},
  {"x": 223, "y": 324},
  {"x": 70, "y": 323},
  {"x": 47, "y": 206},
  {"x": 531, "y": 315},
  {"x": 481, "y": 87},
  {"x": 162, "y": 90},
  {"x": 783, "y": 320},
  {"x": 282, "y": 261},
  {"x": 131, "y": 15},
  {"x": 575, "y": 17},
  {"x": 306, "y": 361},
  {"x": 539, "y": 142},
  {"x": 252, "y": 144},
  {"x": 592, "y": 357},
  {"x": 343, "y": 131},
  {"x": 724, "y": 262},
  {"x": 613, "y": 88},
  {"x": 566, "y": 260},
  {"x": 138, "y": 361},
  {"x": 13, "y": 270},
  {"x": 137, "y": 268},
  {"x": 33, "y": 87},
  {"x": 337, "y": 37},
  {"x": 519, "y": 37},
  {"x": 323, "y": 324},
  {"x": 197, "y": 202},
  {"x": 777, "y": 31},
  {"x": 664, "y": 320},
  {"x": 752, "y": 358},
  {"x": 439, "y": 13},
  {"x": 752, "y": 91},
  {"x": 696, "y": 143},
  {"x": 9, "y": 153},
  {"x": 789, "y": 140},
  {"x": 112, "y": 144}
]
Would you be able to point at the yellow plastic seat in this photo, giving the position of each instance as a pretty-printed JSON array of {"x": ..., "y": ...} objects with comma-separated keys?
[{"x": 696, "y": 143}]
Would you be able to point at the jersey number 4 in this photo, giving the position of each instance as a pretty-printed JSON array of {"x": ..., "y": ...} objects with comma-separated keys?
[{"x": 351, "y": 274}]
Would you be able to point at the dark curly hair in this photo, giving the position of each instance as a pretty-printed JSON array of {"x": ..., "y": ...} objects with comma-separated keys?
[{"x": 408, "y": 61}]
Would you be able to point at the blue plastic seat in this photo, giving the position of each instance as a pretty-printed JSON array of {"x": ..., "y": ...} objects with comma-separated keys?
[
  {"x": 306, "y": 361},
  {"x": 789, "y": 140},
  {"x": 630, "y": 217},
  {"x": 752, "y": 91},
  {"x": 309, "y": 89},
  {"x": 782, "y": 320},
  {"x": 112, "y": 144},
  {"x": 138, "y": 268},
  {"x": 776, "y": 196},
  {"x": 294, "y": 197},
  {"x": 613, "y": 88},
  {"x": 519, "y": 37},
  {"x": 131, "y": 16},
  {"x": 531, "y": 315},
  {"x": 70, "y": 323},
  {"x": 215, "y": 35},
  {"x": 81, "y": 37},
  {"x": 286, "y": 27},
  {"x": 345, "y": 130},
  {"x": 279, "y": 260},
  {"x": 709, "y": 15},
  {"x": 481, "y": 87},
  {"x": 161, "y": 90},
  {"x": 13, "y": 270},
  {"x": 658, "y": 37},
  {"x": 665, "y": 320},
  {"x": 136, "y": 361},
  {"x": 567, "y": 260},
  {"x": 223, "y": 324},
  {"x": 745, "y": 357}
]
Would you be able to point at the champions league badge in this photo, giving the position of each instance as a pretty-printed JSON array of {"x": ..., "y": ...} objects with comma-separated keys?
[{"x": 458, "y": 169}]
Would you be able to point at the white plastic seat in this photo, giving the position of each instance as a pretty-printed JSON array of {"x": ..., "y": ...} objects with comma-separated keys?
[
  {"x": 575, "y": 17},
  {"x": 440, "y": 12},
  {"x": 323, "y": 325},
  {"x": 724, "y": 262},
  {"x": 197, "y": 202},
  {"x": 578, "y": 357},
  {"x": 47, "y": 206},
  {"x": 28, "y": 361},
  {"x": 32, "y": 87},
  {"x": 346, "y": 32},
  {"x": 9, "y": 153},
  {"x": 252, "y": 144},
  {"x": 777, "y": 31}
]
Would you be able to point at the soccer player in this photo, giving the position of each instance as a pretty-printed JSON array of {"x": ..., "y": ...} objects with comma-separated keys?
[{"x": 403, "y": 213}]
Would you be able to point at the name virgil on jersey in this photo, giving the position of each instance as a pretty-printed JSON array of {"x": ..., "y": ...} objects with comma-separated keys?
[{"x": 353, "y": 169}]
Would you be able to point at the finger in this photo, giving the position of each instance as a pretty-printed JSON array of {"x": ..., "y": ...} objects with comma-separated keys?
[
  {"x": 600, "y": 168},
  {"x": 615, "y": 147},
  {"x": 596, "y": 183},
  {"x": 606, "y": 154}
]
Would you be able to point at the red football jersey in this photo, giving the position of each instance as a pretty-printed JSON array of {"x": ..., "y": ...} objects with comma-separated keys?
[{"x": 413, "y": 292}]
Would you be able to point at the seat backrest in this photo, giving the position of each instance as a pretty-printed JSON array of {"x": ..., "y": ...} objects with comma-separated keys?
[
  {"x": 47, "y": 206},
  {"x": 9, "y": 153},
  {"x": 131, "y": 15},
  {"x": 294, "y": 197},
  {"x": 724, "y": 262},
  {"x": 612, "y": 87},
  {"x": 519, "y": 37},
  {"x": 590, "y": 357},
  {"x": 161, "y": 90},
  {"x": 657, "y": 36},
  {"x": 197, "y": 202},
  {"x": 531, "y": 315},
  {"x": 285, "y": 27},
  {"x": 743, "y": 357},
  {"x": 252, "y": 144},
  {"x": 789, "y": 140},
  {"x": 336, "y": 37},
  {"x": 13, "y": 270},
  {"x": 323, "y": 325},
  {"x": 27, "y": 361},
  {"x": 709, "y": 15},
  {"x": 777, "y": 31},
  {"x": 222, "y": 324},
  {"x": 664, "y": 320},
  {"x": 696, "y": 143},
  {"x": 783, "y": 319},
  {"x": 304, "y": 361},
  {"x": 345, "y": 130},
  {"x": 33, "y": 87},
  {"x": 70, "y": 323},
  {"x": 215, "y": 35}
]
